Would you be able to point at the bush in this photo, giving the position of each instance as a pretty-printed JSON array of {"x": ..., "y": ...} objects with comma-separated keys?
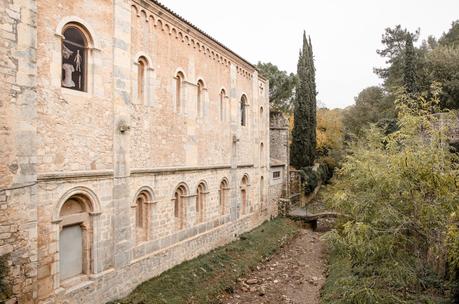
[
  {"x": 397, "y": 192},
  {"x": 310, "y": 179}
]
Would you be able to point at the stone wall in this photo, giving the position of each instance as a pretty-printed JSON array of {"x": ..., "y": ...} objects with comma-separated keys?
[
  {"x": 18, "y": 217},
  {"x": 279, "y": 137},
  {"x": 107, "y": 144}
]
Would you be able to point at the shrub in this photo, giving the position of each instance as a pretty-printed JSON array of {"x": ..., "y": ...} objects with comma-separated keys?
[{"x": 396, "y": 192}]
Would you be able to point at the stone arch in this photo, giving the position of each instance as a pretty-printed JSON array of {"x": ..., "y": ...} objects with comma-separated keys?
[
  {"x": 141, "y": 203},
  {"x": 179, "y": 198},
  {"x": 223, "y": 195},
  {"x": 93, "y": 41},
  {"x": 201, "y": 193},
  {"x": 244, "y": 188},
  {"x": 74, "y": 215},
  {"x": 77, "y": 191}
]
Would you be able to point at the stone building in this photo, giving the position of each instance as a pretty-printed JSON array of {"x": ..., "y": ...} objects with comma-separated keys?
[
  {"x": 279, "y": 155},
  {"x": 130, "y": 141}
]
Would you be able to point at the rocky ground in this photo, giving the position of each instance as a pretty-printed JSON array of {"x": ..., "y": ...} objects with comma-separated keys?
[{"x": 293, "y": 275}]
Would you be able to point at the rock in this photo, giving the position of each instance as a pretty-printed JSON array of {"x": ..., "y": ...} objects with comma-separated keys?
[
  {"x": 276, "y": 281},
  {"x": 262, "y": 291},
  {"x": 252, "y": 281},
  {"x": 253, "y": 289}
]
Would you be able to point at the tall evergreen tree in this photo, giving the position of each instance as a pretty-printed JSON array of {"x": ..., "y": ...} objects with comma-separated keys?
[
  {"x": 304, "y": 129},
  {"x": 409, "y": 72}
]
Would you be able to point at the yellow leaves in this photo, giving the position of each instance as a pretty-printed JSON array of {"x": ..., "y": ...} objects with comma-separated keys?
[{"x": 329, "y": 130}]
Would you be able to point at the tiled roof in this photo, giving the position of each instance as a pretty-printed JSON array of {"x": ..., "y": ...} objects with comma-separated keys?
[{"x": 202, "y": 32}]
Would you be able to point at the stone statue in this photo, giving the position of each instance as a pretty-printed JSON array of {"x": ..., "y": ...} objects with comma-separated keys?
[
  {"x": 77, "y": 61},
  {"x": 68, "y": 71}
]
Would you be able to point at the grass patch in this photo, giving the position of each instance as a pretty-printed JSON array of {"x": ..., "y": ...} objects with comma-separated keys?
[
  {"x": 341, "y": 278},
  {"x": 200, "y": 280}
]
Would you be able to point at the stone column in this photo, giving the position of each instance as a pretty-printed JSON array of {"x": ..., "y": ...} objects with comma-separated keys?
[
  {"x": 234, "y": 203},
  {"x": 122, "y": 240}
]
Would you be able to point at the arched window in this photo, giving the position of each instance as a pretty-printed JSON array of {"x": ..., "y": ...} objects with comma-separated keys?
[
  {"x": 75, "y": 237},
  {"x": 222, "y": 105},
  {"x": 222, "y": 196},
  {"x": 178, "y": 91},
  {"x": 262, "y": 191},
  {"x": 262, "y": 155},
  {"x": 243, "y": 110},
  {"x": 142, "y": 216},
  {"x": 244, "y": 194},
  {"x": 200, "y": 98},
  {"x": 141, "y": 77},
  {"x": 200, "y": 202},
  {"x": 261, "y": 117},
  {"x": 74, "y": 58},
  {"x": 180, "y": 206}
]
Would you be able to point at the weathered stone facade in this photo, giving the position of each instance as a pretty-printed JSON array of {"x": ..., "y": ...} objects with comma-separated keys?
[
  {"x": 279, "y": 156},
  {"x": 166, "y": 113}
]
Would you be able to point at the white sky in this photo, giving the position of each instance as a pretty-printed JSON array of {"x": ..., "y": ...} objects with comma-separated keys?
[{"x": 345, "y": 34}]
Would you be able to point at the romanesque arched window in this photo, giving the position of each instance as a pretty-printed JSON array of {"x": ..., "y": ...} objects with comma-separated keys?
[
  {"x": 179, "y": 78},
  {"x": 244, "y": 194},
  {"x": 200, "y": 202},
  {"x": 243, "y": 110},
  {"x": 75, "y": 237},
  {"x": 261, "y": 117},
  {"x": 222, "y": 196},
  {"x": 262, "y": 190},
  {"x": 142, "y": 216},
  {"x": 222, "y": 105},
  {"x": 262, "y": 155},
  {"x": 74, "y": 57},
  {"x": 200, "y": 98},
  {"x": 142, "y": 65},
  {"x": 180, "y": 206}
]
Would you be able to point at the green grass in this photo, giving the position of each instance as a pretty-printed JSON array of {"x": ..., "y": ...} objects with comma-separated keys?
[{"x": 200, "y": 280}]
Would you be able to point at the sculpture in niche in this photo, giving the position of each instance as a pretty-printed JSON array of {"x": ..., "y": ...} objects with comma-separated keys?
[{"x": 74, "y": 53}]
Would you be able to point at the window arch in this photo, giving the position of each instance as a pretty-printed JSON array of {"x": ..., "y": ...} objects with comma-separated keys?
[
  {"x": 179, "y": 78},
  {"x": 222, "y": 196},
  {"x": 243, "y": 110},
  {"x": 180, "y": 206},
  {"x": 200, "y": 202},
  {"x": 142, "y": 64},
  {"x": 74, "y": 53},
  {"x": 244, "y": 194},
  {"x": 262, "y": 190},
  {"x": 261, "y": 117},
  {"x": 262, "y": 155},
  {"x": 75, "y": 237},
  {"x": 142, "y": 215},
  {"x": 222, "y": 105},
  {"x": 200, "y": 98}
]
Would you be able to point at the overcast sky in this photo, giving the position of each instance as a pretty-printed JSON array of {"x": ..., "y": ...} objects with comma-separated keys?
[{"x": 345, "y": 34}]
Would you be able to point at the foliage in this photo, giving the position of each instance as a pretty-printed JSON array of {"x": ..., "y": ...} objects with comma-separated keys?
[
  {"x": 303, "y": 148},
  {"x": 396, "y": 192},
  {"x": 310, "y": 179},
  {"x": 281, "y": 86},
  {"x": 417, "y": 68},
  {"x": 371, "y": 105},
  {"x": 409, "y": 75},
  {"x": 329, "y": 130},
  {"x": 201, "y": 279},
  {"x": 5, "y": 290},
  {"x": 451, "y": 38}
]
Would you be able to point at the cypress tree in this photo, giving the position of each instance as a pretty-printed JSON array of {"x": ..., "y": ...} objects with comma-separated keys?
[
  {"x": 304, "y": 128},
  {"x": 409, "y": 75}
]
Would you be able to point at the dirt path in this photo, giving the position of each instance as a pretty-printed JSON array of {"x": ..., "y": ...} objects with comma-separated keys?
[{"x": 294, "y": 275}]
